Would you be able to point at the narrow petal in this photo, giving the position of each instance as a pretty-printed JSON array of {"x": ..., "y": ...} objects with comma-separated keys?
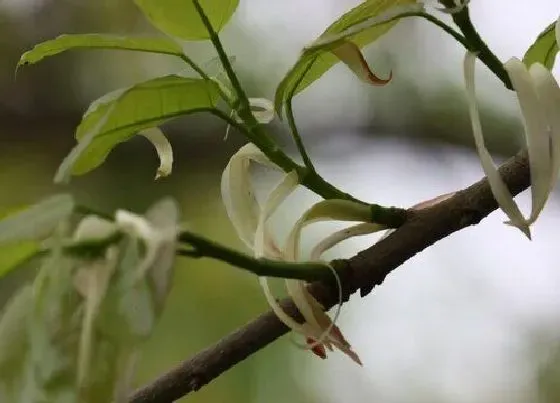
[
  {"x": 238, "y": 196},
  {"x": 139, "y": 227},
  {"x": 264, "y": 244},
  {"x": 296, "y": 290},
  {"x": 497, "y": 185},
  {"x": 350, "y": 54},
  {"x": 277, "y": 309},
  {"x": 339, "y": 236},
  {"x": 536, "y": 133},
  {"x": 163, "y": 149},
  {"x": 549, "y": 96},
  {"x": 326, "y": 210}
]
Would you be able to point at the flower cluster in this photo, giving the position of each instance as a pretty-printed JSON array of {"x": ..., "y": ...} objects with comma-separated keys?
[
  {"x": 250, "y": 220},
  {"x": 72, "y": 335},
  {"x": 538, "y": 94}
]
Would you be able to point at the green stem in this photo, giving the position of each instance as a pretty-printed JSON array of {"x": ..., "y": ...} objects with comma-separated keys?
[
  {"x": 446, "y": 28},
  {"x": 245, "y": 108},
  {"x": 203, "y": 247},
  {"x": 292, "y": 122},
  {"x": 476, "y": 44},
  {"x": 258, "y": 136}
]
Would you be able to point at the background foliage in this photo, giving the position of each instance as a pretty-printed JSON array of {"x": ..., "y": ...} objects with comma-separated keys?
[{"x": 407, "y": 122}]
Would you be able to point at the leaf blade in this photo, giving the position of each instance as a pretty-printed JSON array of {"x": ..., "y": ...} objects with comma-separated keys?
[
  {"x": 179, "y": 18},
  {"x": 126, "y": 112},
  {"x": 67, "y": 42},
  {"x": 37, "y": 221},
  {"x": 316, "y": 62},
  {"x": 544, "y": 49}
]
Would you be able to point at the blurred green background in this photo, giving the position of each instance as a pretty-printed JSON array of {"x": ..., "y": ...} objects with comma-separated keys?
[{"x": 420, "y": 118}]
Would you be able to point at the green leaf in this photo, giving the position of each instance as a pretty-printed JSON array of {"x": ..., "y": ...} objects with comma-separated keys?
[
  {"x": 179, "y": 18},
  {"x": 121, "y": 114},
  {"x": 99, "y": 41},
  {"x": 14, "y": 254},
  {"x": 313, "y": 63},
  {"x": 36, "y": 222},
  {"x": 544, "y": 49}
]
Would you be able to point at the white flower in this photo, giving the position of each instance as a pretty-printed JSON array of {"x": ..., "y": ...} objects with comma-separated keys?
[
  {"x": 250, "y": 221},
  {"x": 539, "y": 100}
]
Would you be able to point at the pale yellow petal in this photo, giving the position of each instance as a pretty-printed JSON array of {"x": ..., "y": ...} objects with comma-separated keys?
[
  {"x": 326, "y": 210},
  {"x": 497, "y": 185},
  {"x": 340, "y": 236},
  {"x": 163, "y": 149},
  {"x": 549, "y": 95},
  {"x": 263, "y": 109},
  {"x": 265, "y": 246},
  {"x": 536, "y": 133}
]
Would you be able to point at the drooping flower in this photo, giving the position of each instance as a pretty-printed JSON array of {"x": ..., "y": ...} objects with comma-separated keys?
[
  {"x": 250, "y": 220},
  {"x": 538, "y": 94},
  {"x": 72, "y": 335}
]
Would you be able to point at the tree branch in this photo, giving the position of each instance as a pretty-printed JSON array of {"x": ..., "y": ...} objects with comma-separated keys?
[{"x": 361, "y": 272}]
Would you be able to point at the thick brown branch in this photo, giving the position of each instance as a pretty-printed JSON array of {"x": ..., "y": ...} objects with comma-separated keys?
[{"x": 361, "y": 272}]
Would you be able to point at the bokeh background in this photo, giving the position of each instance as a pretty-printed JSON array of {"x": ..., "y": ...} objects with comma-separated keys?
[{"x": 476, "y": 318}]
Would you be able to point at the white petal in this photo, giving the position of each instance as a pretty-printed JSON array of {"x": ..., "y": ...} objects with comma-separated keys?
[
  {"x": 265, "y": 112},
  {"x": 238, "y": 196},
  {"x": 326, "y": 210},
  {"x": 141, "y": 228},
  {"x": 264, "y": 243},
  {"x": 536, "y": 133},
  {"x": 296, "y": 290},
  {"x": 549, "y": 96},
  {"x": 163, "y": 149},
  {"x": 277, "y": 309},
  {"x": 497, "y": 185},
  {"x": 339, "y": 236}
]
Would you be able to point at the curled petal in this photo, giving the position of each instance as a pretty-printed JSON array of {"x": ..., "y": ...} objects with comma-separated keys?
[
  {"x": 263, "y": 109},
  {"x": 141, "y": 228},
  {"x": 341, "y": 210},
  {"x": 265, "y": 246},
  {"x": 497, "y": 185},
  {"x": 339, "y": 236},
  {"x": 549, "y": 95},
  {"x": 163, "y": 149},
  {"x": 301, "y": 297},
  {"x": 237, "y": 192},
  {"x": 349, "y": 53},
  {"x": 536, "y": 132},
  {"x": 277, "y": 309}
]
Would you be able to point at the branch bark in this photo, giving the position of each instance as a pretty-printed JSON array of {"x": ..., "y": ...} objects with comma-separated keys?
[{"x": 362, "y": 272}]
